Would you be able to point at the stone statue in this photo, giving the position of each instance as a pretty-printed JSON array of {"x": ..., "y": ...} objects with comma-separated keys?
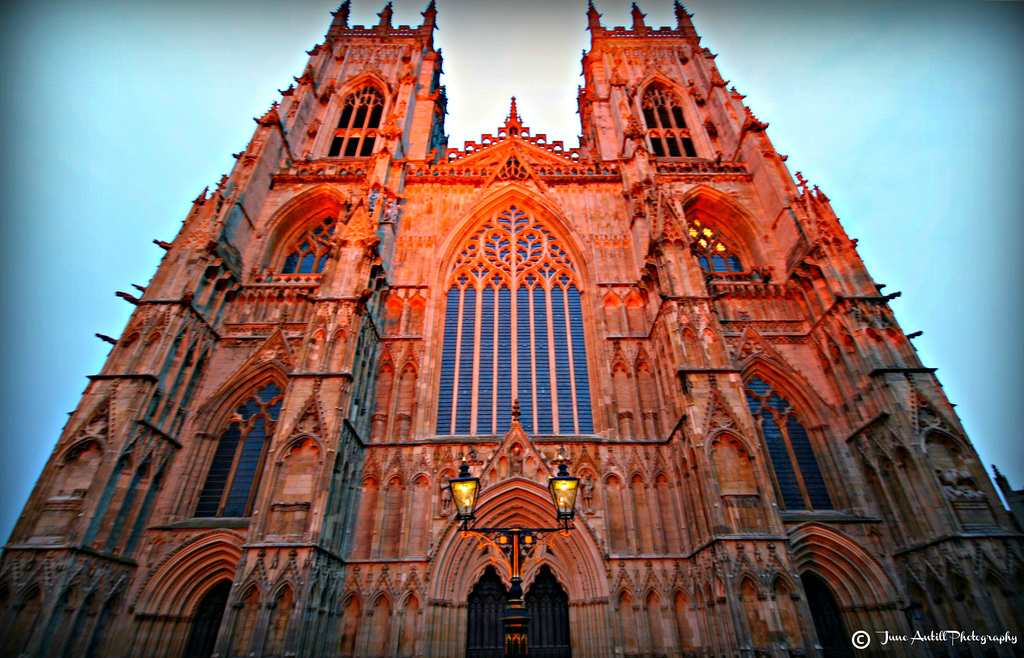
[
  {"x": 515, "y": 460},
  {"x": 446, "y": 495},
  {"x": 587, "y": 489}
]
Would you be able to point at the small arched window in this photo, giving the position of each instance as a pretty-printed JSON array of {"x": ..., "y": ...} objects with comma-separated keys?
[
  {"x": 715, "y": 256},
  {"x": 310, "y": 253},
  {"x": 665, "y": 124},
  {"x": 356, "y": 133},
  {"x": 234, "y": 475},
  {"x": 789, "y": 447}
]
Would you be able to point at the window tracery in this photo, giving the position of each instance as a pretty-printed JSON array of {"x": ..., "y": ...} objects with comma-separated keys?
[
  {"x": 310, "y": 254},
  {"x": 666, "y": 126},
  {"x": 234, "y": 475},
  {"x": 358, "y": 125},
  {"x": 714, "y": 255},
  {"x": 800, "y": 482},
  {"x": 513, "y": 329}
]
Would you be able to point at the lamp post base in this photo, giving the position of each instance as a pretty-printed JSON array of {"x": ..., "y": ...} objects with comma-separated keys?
[{"x": 517, "y": 622}]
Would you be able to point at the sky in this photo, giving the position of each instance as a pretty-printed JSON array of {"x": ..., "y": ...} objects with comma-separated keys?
[{"x": 116, "y": 114}]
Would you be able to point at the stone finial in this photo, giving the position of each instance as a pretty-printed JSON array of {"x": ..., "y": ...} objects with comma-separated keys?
[
  {"x": 638, "y": 18},
  {"x": 514, "y": 123},
  {"x": 515, "y": 410},
  {"x": 513, "y": 112}
]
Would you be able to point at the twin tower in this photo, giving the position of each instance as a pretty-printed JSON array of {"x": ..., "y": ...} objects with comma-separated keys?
[{"x": 261, "y": 466}]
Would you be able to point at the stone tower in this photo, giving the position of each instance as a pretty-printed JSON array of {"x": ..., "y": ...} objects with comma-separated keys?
[{"x": 260, "y": 468}]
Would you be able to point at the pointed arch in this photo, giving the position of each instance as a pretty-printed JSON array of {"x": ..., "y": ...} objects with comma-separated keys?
[
  {"x": 248, "y": 611},
  {"x": 688, "y": 638},
  {"x": 360, "y": 113},
  {"x": 351, "y": 618},
  {"x": 379, "y": 631},
  {"x": 664, "y": 117},
  {"x": 856, "y": 578},
  {"x": 281, "y": 612},
  {"x": 536, "y": 206},
  {"x": 575, "y": 560},
  {"x": 409, "y": 641},
  {"x": 187, "y": 573},
  {"x": 721, "y": 212},
  {"x": 299, "y": 215},
  {"x": 215, "y": 413},
  {"x": 239, "y": 459},
  {"x": 783, "y": 415},
  {"x": 752, "y": 596}
]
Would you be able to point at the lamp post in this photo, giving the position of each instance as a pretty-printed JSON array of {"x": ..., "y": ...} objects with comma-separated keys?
[{"x": 516, "y": 544}]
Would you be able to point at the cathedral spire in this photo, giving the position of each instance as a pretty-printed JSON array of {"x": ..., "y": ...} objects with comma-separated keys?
[
  {"x": 593, "y": 18},
  {"x": 638, "y": 18}
]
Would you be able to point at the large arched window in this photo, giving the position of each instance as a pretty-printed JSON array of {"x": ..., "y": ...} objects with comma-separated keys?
[
  {"x": 789, "y": 447},
  {"x": 234, "y": 475},
  {"x": 513, "y": 329},
  {"x": 715, "y": 256},
  {"x": 309, "y": 255},
  {"x": 665, "y": 124},
  {"x": 357, "y": 128}
]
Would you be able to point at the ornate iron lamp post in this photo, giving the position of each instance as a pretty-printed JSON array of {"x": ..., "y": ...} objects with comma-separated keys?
[{"x": 515, "y": 544}]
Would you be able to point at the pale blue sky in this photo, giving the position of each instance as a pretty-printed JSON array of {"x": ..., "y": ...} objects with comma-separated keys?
[{"x": 116, "y": 114}]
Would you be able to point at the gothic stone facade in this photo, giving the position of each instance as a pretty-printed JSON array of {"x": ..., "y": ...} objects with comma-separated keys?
[{"x": 259, "y": 468}]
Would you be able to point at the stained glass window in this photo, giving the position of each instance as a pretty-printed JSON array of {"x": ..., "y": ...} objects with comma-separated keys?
[
  {"x": 715, "y": 256},
  {"x": 801, "y": 484},
  {"x": 513, "y": 330},
  {"x": 665, "y": 124},
  {"x": 234, "y": 475},
  {"x": 310, "y": 253},
  {"x": 356, "y": 133}
]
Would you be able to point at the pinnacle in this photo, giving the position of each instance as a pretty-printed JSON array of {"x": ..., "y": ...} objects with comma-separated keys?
[
  {"x": 593, "y": 18},
  {"x": 638, "y": 18},
  {"x": 513, "y": 113},
  {"x": 386, "y": 14}
]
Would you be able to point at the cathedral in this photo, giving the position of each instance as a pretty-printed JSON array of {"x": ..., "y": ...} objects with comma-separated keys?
[{"x": 262, "y": 466}]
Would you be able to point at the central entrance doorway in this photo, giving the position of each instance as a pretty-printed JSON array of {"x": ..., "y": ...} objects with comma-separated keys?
[{"x": 549, "y": 624}]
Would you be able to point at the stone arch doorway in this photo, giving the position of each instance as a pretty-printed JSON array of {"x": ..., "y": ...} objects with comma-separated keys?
[
  {"x": 206, "y": 621},
  {"x": 549, "y": 626},
  {"x": 484, "y": 630},
  {"x": 832, "y": 634}
]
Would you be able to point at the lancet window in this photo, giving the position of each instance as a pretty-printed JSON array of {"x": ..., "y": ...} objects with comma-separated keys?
[
  {"x": 234, "y": 475},
  {"x": 310, "y": 253},
  {"x": 715, "y": 256},
  {"x": 513, "y": 329},
  {"x": 356, "y": 133},
  {"x": 800, "y": 482},
  {"x": 665, "y": 124}
]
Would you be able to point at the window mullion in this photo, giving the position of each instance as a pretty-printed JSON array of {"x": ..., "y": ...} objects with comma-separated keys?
[
  {"x": 572, "y": 365},
  {"x": 552, "y": 369},
  {"x": 784, "y": 429},
  {"x": 458, "y": 349},
  {"x": 477, "y": 321}
]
